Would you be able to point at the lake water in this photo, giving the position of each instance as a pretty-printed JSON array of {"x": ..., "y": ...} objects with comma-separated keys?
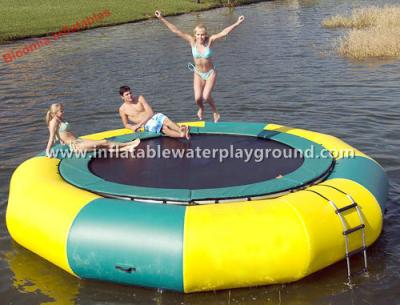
[{"x": 278, "y": 66}]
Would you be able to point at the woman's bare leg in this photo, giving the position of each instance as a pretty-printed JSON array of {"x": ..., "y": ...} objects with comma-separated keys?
[
  {"x": 208, "y": 87},
  {"x": 198, "y": 85},
  {"x": 123, "y": 144},
  {"x": 86, "y": 145},
  {"x": 91, "y": 145},
  {"x": 131, "y": 145}
]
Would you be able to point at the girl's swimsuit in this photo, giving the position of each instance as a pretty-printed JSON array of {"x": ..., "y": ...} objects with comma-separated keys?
[
  {"x": 64, "y": 127},
  {"x": 74, "y": 144},
  {"x": 203, "y": 75},
  {"x": 196, "y": 54}
]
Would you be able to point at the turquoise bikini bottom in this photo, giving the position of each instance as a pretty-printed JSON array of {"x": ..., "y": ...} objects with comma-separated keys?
[{"x": 203, "y": 75}]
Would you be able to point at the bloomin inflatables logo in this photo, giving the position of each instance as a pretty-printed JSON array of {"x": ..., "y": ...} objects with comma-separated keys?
[{"x": 65, "y": 30}]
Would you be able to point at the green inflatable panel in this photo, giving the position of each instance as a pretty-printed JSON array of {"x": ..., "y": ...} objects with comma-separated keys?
[
  {"x": 366, "y": 172},
  {"x": 77, "y": 172},
  {"x": 129, "y": 242}
]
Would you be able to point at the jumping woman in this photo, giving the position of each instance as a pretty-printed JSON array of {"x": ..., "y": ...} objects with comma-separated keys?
[
  {"x": 60, "y": 129},
  {"x": 205, "y": 75}
]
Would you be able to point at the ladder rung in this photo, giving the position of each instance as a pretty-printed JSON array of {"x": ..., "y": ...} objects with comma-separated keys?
[
  {"x": 356, "y": 251},
  {"x": 347, "y": 207},
  {"x": 349, "y": 231}
]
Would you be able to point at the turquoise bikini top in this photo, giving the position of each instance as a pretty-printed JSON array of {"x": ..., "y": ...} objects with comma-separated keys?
[
  {"x": 196, "y": 54},
  {"x": 64, "y": 126}
]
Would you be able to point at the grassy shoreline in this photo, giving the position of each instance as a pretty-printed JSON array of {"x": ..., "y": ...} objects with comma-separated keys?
[
  {"x": 39, "y": 18},
  {"x": 374, "y": 32}
]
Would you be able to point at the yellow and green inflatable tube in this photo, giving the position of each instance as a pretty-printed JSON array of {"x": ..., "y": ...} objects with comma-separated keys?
[{"x": 87, "y": 227}]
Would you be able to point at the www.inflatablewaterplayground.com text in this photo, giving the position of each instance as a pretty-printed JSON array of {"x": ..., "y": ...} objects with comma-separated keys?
[
  {"x": 65, "y": 30},
  {"x": 221, "y": 154}
]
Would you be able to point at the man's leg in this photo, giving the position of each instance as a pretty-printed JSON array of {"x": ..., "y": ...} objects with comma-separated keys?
[
  {"x": 173, "y": 132},
  {"x": 172, "y": 125},
  {"x": 175, "y": 127}
]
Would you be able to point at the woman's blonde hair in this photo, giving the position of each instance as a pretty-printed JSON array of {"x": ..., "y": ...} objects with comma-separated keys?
[
  {"x": 51, "y": 112},
  {"x": 200, "y": 27}
]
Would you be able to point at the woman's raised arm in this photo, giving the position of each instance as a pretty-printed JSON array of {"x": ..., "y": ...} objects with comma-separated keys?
[
  {"x": 185, "y": 36},
  {"x": 227, "y": 30}
]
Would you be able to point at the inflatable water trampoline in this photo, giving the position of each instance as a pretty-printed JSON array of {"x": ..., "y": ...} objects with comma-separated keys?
[{"x": 244, "y": 204}]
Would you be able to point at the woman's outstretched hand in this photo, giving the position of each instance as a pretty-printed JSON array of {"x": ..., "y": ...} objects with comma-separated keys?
[
  {"x": 240, "y": 19},
  {"x": 158, "y": 14}
]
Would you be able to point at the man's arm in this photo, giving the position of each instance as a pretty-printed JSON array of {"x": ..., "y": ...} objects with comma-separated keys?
[{"x": 125, "y": 120}]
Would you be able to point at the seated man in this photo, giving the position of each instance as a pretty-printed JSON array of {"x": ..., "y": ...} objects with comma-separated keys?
[{"x": 135, "y": 109}]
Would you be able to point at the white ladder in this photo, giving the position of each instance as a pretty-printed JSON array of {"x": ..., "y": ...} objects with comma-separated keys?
[{"x": 347, "y": 231}]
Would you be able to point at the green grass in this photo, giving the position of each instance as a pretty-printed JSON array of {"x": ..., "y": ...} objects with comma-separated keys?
[{"x": 24, "y": 18}]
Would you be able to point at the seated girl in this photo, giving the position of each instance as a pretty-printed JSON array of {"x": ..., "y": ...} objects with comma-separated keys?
[{"x": 59, "y": 129}]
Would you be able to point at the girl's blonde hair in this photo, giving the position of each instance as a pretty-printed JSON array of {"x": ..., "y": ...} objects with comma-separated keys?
[
  {"x": 51, "y": 112},
  {"x": 200, "y": 27}
]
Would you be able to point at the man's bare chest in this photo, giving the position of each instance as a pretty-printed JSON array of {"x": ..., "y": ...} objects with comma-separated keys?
[{"x": 133, "y": 110}]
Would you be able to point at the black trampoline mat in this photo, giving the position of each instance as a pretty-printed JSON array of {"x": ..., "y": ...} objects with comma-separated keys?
[{"x": 190, "y": 172}]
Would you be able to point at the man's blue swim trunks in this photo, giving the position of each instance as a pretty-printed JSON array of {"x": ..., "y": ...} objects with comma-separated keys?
[{"x": 155, "y": 123}]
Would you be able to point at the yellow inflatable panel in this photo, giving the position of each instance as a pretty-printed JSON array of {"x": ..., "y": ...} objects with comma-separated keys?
[
  {"x": 107, "y": 134},
  {"x": 123, "y": 131},
  {"x": 323, "y": 225},
  {"x": 337, "y": 147},
  {"x": 41, "y": 209},
  {"x": 225, "y": 245},
  {"x": 230, "y": 245},
  {"x": 193, "y": 124},
  {"x": 272, "y": 241}
]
